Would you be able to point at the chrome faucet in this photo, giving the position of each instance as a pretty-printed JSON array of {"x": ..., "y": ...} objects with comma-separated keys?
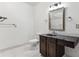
[{"x": 54, "y": 32}]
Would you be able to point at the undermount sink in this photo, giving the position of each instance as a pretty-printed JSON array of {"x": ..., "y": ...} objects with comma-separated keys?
[{"x": 51, "y": 34}]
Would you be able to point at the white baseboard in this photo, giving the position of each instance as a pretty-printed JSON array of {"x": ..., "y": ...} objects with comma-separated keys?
[{"x": 12, "y": 47}]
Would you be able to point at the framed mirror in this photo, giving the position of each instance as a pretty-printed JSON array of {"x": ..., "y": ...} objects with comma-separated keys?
[{"x": 57, "y": 19}]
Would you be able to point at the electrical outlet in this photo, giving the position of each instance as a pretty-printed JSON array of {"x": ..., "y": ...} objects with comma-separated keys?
[{"x": 77, "y": 26}]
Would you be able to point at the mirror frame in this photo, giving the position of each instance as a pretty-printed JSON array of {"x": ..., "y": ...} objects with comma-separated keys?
[{"x": 63, "y": 19}]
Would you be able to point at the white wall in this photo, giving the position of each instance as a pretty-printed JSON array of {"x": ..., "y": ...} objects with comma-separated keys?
[
  {"x": 20, "y": 14},
  {"x": 30, "y": 19},
  {"x": 72, "y": 9}
]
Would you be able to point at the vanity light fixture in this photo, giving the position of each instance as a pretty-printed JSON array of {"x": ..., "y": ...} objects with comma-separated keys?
[{"x": 55, "y": 4}]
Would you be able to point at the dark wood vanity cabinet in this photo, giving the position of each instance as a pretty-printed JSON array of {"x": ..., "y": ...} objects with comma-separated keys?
[
  {"x": 54, "y": 46},
  {"x": 43, "y": 44},
  {"x": 49, "y": 48},
  {"x": 60, "y": 50}
]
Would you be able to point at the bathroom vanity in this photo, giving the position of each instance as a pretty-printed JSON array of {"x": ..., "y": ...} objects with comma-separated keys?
[{"x": 54, "y": 45}]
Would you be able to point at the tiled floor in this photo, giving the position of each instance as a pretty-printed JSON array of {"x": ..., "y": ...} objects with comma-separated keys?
[{"x": 23, "y": 51}]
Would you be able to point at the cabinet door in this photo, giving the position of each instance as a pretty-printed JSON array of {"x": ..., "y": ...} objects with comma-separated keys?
[
  {"x": 60, "y": 50},
  {"x": 51, "y": 47},
  {"x": 43, "y": 45}
]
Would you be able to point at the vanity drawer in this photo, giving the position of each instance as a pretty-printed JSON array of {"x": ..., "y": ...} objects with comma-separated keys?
[{"x": 60, "y": 42}]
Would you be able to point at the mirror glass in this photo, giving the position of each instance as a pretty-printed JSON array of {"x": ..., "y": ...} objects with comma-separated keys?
[{"x": 56, "y": 19}]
